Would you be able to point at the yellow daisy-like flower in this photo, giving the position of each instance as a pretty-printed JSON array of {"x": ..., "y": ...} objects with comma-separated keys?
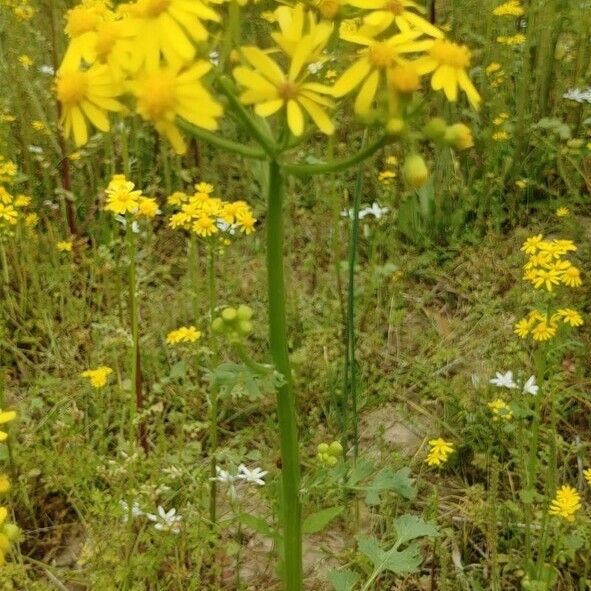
[
  {"x": 566, "y": 503},
  {"x": 387, "y": 12},
  {"x": 271, "y": 90},
  {"x": 165, "y": 93},
  {"x": 64, "y": 245},
  {"x": 562, "y": 212},
  {"x": 84, "y": 17},
  {"x": 184, "y": 334},
  {"x": 569, "y": 316},
  {"x": 22, "y": 201},
  {"x": 147, "y": 207},
  {"x": 546, "y": 278},
  {"x": 510, "y": 8},
  {"x": 449, "y": 63},
  {"x": 5, "y": 417},
  {"x": 25, "y": 61},
  {"x": 571, "y": 277},
  {"x": 378, "y": 66},
  {"x": 86, "y": 95},
  {"x": 122, "y": 197},
  {"x": 204, "y": 188},
  {"x": 97, "y": 377},
  {"x": 245, "y": 221},
  {"x": 439, "y": 452},
  {"x": 169, "y": 28},
  {"x": 8, "y": 214},
  {"x": 544, "y": 330},
  {"x": 493, "y": 68},
  {"x": 500, "y": 136},
  {"x": 4, "y": 483},
  {"x": 205, "y": 226},
  {"x": 500, "y": 410},
  {"x": 177, "y": 198}
]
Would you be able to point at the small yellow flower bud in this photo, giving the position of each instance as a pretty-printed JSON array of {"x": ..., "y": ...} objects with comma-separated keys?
[
  {"x": 329, "y": 8},
  {"x": 395, "y": 126},
  {"x": 244, "y": 312},
  {"x": 435, "y": 129},
  {"x": 415, "y": 171},
  {"x": 459, "y": 136},
  {"x": 12, "y": 531}
]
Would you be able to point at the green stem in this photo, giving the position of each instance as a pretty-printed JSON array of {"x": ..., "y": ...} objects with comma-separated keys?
[
  {"x": 213, "y": 396},
  {"x": 336, "y": 165},
  {"x": 220, "y": 142},
  {"x": 286, "y": 408}
]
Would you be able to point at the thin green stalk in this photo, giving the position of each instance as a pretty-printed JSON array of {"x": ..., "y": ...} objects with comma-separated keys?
[
  {"x": 350, "y": 377},
  {"x": 286, "y": 408},
  {"x": 213, "y": 396}
]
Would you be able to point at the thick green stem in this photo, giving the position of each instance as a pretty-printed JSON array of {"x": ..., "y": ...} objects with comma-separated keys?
[{"x": 286, "y": 408}]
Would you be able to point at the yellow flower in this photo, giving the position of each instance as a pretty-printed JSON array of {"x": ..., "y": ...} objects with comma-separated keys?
[
  {"x": 88, "y": 94},
  {"x": 31, "y": 220},
  {"x": 562, "y": 212},
  {"x": 121, "y": 196},
  {"x": 177, "y": 198},
  {"x": 570, "y": 316},
  {"x": 544, "y": 331},
  {"x": 8, "y": 214},
  {"x": 387, "y": 12},
  {"x": 170, "y": 28},
  {"x": 459, "y": 136},
  {"x": 64, "y": 245},
  {"x": 5, "y": 417},
  {"x": 97, "y": 377},
  {"x": 205, "y": 226},
  {"x": 492, "y": 68},
  {"x": 165, "y": 93},
  {"x": 521, "y": 183},
  {"x": 449, "y": 63},
  {"x": 205, "y": 188},
  {"x": 25, "y": 61},
  {"x": 84, "y": 17},
  {"x": 386, "y": 176},
  {"x": 148, "y": 207},
  {"x": 547, "y": 278},
  {"x": 500, "y": 136},
  {"x": 24, "y": 12},
  {"x": 510, "y": 8},
  {"x": 566, "y": 503},
  {"x": 377, "y": 66},
  {"x": 500, "y": 410},
  {"x": 523, "y": 327},
  {"x": 517, "y": 39},
  {"x": 532, "y": 244},
  {"x": 439, "y": 452},
  {"x": 587, "y": 475},
  {"x": 4, "y": 483},
  {"x": 571, "y": 277},
  {"x": 22, "y": 201},
  {"x": 245, "y": 221},
  {"x": 270, "y": 89},
  {"x": 184, "y": 334}
]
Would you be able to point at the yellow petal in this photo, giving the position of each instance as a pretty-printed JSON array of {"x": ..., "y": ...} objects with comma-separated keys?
[
  {"x": 264, "y": 64},
  {"x": 366, "y": 95},
  {"x": 320, "y": 118},
  {"x": 268, "y": 108},
  {"x": 467, "y": 86},
  {"x": 295, "y": 118},
  {"x": 352, "y": 77}
]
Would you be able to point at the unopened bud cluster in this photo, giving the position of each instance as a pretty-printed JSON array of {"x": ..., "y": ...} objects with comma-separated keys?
[
  {"x": 329, "y": 453},
  {"x": 234, "y": 322}
]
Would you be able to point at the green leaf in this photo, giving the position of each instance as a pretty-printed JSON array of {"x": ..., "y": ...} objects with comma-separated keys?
[
  {"x": 398, "y": 482},
  {"x": 178, "y": 370},
  {"x": 259, "y": 525},
  {"x": 398, "y": 562},
  {"x": 316, "y": 522},
  {"x": 343, "y": 580},
  {"x": 410, "y": 527}
]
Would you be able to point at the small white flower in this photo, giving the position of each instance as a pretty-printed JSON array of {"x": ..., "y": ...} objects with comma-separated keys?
[
  {"x": 578, "y": 96},
  {"x": 504, "y": 380},
  {"x": 374, "y": 210},
  {"x": 214, "y": 58},
  {"x": 255, "y": 476},
  {"x": 315, "y": 67},
  {"x": 223, "y": 476},
  {"x": 47, "y": 70},
  {"x": 35, "y": 149},
  {"x": 135, "y": 510},
  {"x": 530, "y": 387},
  {"x": 166, "y": 520}
]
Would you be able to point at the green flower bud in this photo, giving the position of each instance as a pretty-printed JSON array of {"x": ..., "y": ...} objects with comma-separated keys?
[
  {"x": 218, "y": 326},
  {"x": 245, "y": 327},
  {"x": 336, "y": 449},
  {"x": 331, "y": 461},
  {"x": 415, "y": 171},
  {"x": 229, "y": 314},
  {"x": 435, "y": 129},
  {"x": 459, "y": 136},
  {"x": 12, "y": 531},
  {"x": 244, "y": 312},
  {"x": 395, "y": 126},
  {"x": 322, "y": 448}
]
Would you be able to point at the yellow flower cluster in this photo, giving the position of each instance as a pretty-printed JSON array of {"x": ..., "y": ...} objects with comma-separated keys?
[
  {"x": 146, "y": 49},
  {"x": 207, "y": 216},
  {"x": 510, "y": 8},
  {"x": 97, "y": 377},
  {"x": 8, "y": 170},
  {"x": 184, "y": 334},
  {"x": 545, "y": 269},
  {"x": 500, "y": 410},
  {"x": 21, "y": 9},
  {"x": 546, "y": 266},
  {"x": 123, "y": 198},
  {"x": 13, "y": 208},
  {"x": 64, "y": 245},
  {"x": 439, "y": 452},
  {"x": 9, "y": 532},
  {"x": 562, "y": 212},
  {"x": 566, "y": 503}
]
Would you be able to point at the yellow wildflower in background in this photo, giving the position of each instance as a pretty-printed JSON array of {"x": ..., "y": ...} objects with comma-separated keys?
[
  {"x": 500, "y": 136},
  {"x": 587, "y": 475},
  {"x": 569, "y": 316},
  {"x": 500, "y": 410},
  {"x": 562, "y": 212},
  {"x": 4, "y": 483},
  {"x": 493, "y": 68},
  {"x": 22, "y": 201},
  {"x": 544, "y": 330},
  {"x": 98, "y": 376},
  {"x": 184, "y": 334},
  {"x": 517, "y": 39},
  {"x": 64, "y": 245},
  {"x": 439, "y": 452},
  {"x": 5, "y": 417},
  {"x": 122, "y": 197},
  {"x": 566, "y": 503},
  {"x": 510, "y": 8},
  {"x": 25, "y": 61}
]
